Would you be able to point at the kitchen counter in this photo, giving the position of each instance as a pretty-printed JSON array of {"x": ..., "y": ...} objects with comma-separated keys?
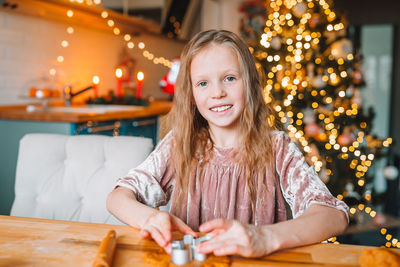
[{"x": 156, "y": 108}]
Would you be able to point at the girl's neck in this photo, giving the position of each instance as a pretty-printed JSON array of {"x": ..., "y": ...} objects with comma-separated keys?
[{"x": 224, "y": 138}]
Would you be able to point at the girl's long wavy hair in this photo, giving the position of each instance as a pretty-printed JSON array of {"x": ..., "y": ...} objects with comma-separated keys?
[{"x": 192, "y": 139}]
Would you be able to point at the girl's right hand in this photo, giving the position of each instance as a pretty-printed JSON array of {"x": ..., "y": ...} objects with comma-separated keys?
[{"x": 160, "y": 225}]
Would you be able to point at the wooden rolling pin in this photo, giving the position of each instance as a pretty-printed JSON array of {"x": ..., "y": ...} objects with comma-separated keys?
[{"x": 105, "y": 254}]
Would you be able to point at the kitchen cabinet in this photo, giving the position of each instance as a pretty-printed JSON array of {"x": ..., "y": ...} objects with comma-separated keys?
[{"x": 146, "y": 127}]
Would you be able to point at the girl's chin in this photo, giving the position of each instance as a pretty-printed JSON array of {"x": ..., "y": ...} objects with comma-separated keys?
[{"x": 228, "y": 124}]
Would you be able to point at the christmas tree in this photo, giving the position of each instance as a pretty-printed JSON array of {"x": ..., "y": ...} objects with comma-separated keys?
[{"x": 313, "y": 79}]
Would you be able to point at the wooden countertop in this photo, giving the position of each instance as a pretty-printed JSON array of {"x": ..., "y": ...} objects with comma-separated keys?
[
  {"x": 41, "y": 242},
  {"x": 158, "y": 107}
]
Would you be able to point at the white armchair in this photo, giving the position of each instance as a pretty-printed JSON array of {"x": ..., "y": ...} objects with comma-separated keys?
[{"x": 69, "y": 177}]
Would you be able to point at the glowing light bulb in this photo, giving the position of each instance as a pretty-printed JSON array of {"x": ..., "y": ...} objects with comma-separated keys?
[
  {"x": 104, "y": 14},
  {"x": 140, "y": 76},
  {"x": 118, "y": 73},
  {"x": 96, "y": 80},
  {"x": 64, "y": 43},
  {"x": 127, "y": 37},
  {"x": 52, "y": 71}
]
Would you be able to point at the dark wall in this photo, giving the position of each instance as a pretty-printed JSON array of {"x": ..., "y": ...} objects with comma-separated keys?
[
  {"x": 361, "y": 12},
  {"x": 395, "y": 105}
]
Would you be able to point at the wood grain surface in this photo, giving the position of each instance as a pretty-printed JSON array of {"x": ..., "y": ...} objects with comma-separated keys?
[
  {"x": 42, "y": 242},
  {"x": 157, "y": 107}
]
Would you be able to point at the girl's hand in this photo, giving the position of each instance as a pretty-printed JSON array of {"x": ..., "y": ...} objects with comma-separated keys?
[
  {"x": 160, "y": 225},
  {"x": 232, "y": 237}
]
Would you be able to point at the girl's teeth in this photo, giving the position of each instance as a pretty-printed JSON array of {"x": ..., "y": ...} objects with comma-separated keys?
[{"x": 219, "y": 109}]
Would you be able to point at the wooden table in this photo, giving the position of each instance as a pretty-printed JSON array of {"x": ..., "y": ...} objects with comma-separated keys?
[
  {"x": 158, "y": 107},
  {"x": 42, "y": 242}
]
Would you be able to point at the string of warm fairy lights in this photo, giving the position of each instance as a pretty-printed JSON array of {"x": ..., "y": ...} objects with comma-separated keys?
[
  {"x": 141, "y": 45},
  {"x": 297, "y": 46},
  {"x": 176, "y": 25},
  {"x": 116, "y": 30},
  {"x": 391, "y": 241},
  {"x": 127, "y": 37},
  {"x": 64, "y": 44}
]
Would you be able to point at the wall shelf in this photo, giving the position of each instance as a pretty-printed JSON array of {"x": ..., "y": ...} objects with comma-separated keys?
[{"x": 84, "y": 15}]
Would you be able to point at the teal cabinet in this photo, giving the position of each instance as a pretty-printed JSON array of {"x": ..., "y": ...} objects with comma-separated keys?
[
  {"x": 146, "y": 127},
  {"x": 11, "y": 131}
]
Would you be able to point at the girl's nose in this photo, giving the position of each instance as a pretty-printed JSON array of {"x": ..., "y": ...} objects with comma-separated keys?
[{"x": 218, "y": 92}]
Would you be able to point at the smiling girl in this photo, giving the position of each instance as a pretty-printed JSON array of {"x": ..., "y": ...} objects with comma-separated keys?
[{"x": 225, "y": 170}]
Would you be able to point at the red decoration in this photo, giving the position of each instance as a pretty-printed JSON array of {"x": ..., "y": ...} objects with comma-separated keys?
[
  {"x": 315, "y": 20},
  {"x": 379, "y": 220},
  {"x": 357, "y": 77},
  {"x": 346, "y": 138},
  {"x": 312, "y": 129},
  {"x": 118, "y": 75},
  {"x": 167, "y": 83},
  {"x": 96, "y": 81},
  {"x": 139, "y": 84}
]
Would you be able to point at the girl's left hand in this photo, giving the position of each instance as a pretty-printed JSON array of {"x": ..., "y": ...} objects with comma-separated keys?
[{"x": 232, "y": 237}]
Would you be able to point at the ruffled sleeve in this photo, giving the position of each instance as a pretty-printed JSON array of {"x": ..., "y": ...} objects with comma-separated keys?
[
  {"x": 300, "y": 184},
  {"x": 151, "y": 181}
]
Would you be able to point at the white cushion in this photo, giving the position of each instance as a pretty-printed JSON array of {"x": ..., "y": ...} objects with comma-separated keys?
[{"x": 69, "y": 177}]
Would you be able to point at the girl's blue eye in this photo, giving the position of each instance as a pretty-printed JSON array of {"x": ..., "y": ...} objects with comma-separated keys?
[
  {"x": 202, "y": 84},
  {"x": 230, "y": 78}
]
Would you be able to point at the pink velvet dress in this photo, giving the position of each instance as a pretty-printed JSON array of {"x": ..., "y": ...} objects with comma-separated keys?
[{"x": 221, "y": 190}]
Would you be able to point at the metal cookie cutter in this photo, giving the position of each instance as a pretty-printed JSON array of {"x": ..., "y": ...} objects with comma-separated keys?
[
  {"x": 184, "y": 251},
  {"x": 196, "y": 242}
]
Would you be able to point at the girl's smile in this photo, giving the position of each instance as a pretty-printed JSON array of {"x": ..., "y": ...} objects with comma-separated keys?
[{"x": 221, "y": 108}]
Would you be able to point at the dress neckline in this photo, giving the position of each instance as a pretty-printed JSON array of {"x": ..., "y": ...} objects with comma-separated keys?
[{"x": 223, "y": 148}]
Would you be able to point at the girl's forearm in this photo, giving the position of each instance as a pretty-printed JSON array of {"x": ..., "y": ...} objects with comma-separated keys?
[
  {"x": 122, "y": 203},
  {"x": 318, "y": 223}
]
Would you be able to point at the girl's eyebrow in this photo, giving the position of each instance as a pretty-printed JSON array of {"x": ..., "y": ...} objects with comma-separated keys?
[
  {"x": 223, "y": 72},
  {"x": 235, "y": 71},
  {"x": 230, "y": 72},
  {"x": 198, "y": 77},
  {"x": 228, "y": 69}
]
